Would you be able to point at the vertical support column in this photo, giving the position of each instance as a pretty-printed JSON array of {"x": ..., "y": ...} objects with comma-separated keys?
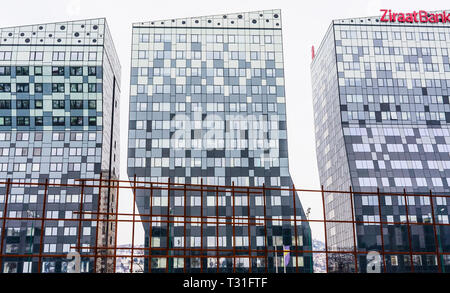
[
  {"x": 355, "y": 253},
  {"x": 295, "y": 230},
  {"x": 184, "y": 228},
  {"x": 150, "y": 236},
  {"x": 265, "y": 230},
  {"x": 201, "y": 225},
  {"x": 116, "y": 214},
  {"x": 436, "y": 242},
  {"x": 249, "y": 232},
  {"x": 381, "y": 231},
  {"x": 5, "y": 212},
  {"x": 234, "y": 230},
  {"x": 168, "y": 227},
  {"x": 217, "y": 228},
  {"x": 409, "y": 230},
  {"x": 325, "y": 226},
  {"x": 132, "y": 229},
  {"x": 97, "y": 222},
  {"x": 42, "y": 226},
  {"x": 80, "y": 218}
]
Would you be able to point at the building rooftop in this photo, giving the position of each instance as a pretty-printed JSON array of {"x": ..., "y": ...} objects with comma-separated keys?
[
  {"x": 265, "y": 19},
  {"x": 78, "y": 32}
]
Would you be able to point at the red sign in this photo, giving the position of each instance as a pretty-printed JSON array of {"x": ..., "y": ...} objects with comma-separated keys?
[{"x": 415, "y": 16}]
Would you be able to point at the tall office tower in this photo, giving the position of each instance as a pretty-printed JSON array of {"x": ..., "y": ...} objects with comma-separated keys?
[
  {"x": 381, "y": 107},
  {"x": 207, "y": 106},
  {"x": 59, "y": 95}
]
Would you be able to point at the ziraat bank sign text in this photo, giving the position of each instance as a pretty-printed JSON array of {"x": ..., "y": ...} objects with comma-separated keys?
[{"x": 415, "y": 16}]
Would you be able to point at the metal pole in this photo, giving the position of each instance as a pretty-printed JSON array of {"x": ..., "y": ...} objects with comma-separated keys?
[
  {"x": 201, "y": 226},
  {"x": 80, "y": 218},
  {"x": 41, "y": 246},
  {"x": 134, "y": 224},
  {"x": 217, "y": 228},
  {"x": 266, "y": 259},
  {"x": 97, "y": 225},
  {"x": 440, "y": 246},
  {"x": 31, "y": 240},
  {"x": 295, "y": 228},
  {"x": 116, "y": 224},
  {"x": 150, "y": 233},
  {"x": 310, "y": 242},
  {"x": 5, "y": 212},
  {"x": 381, "y": 231},
  {"x": 409, "y": 230},
  {"x": 249, "y": 232},
  {"x": 436, "y": 239},
  {"x": 234, "y": 232},
  {"x": 325, "y": 227},
  {"x": 184, "y": 229},
  {"x": 276, "y": 259}
]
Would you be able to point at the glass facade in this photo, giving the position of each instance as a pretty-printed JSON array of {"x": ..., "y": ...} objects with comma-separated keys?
[
  {"x": 59, "y": 95},
  {"x": 207, "y": 105},
  {"x": 382, "y": 114}
]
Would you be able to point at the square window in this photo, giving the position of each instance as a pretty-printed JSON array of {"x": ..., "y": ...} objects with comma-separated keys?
[
  {"x": 92, "y": 104},
  {"x": 38, "y": 87},
  {"x": 92, "y": 87},
  {"x": 38, "y": 121},
  {"x": 76, "y": 121},
  {"x": 92, "y": 71},
  {"x": 38, "y": 70},
  {"x": 92, "y": 121},
  {"x": 92, "y": 56}
]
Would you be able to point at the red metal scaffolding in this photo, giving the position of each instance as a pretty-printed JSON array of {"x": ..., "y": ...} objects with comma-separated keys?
[{"x": 114, "y": 216}]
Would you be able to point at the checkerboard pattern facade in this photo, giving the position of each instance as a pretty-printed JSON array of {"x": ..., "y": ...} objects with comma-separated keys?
[
  {"x": 207, "y": 105},
  {"x": 59, "y": 98},
  {"x": 382, "y": 114}
]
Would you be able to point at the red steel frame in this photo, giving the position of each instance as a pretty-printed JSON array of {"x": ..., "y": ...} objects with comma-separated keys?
[{"x": 249, "y": 220}]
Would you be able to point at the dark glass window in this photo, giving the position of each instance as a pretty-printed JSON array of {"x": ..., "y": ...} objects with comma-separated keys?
[
  {"x": 58, "y": 87},
  {"x": 58, "y": 70},
  {"x": 22, "y": 70},
  {"x": 23, "y": 104},
  {"x": 58, "y": 121},
  {"x": 38, "y": 70},
  {"x": 76, "y": 120},
  {"x": 23, "y": 121},
  {"x": 76, "y": 104},
  {"x": 22, "y": 88},
  {"x": 92, "y": 71},
  {"x": 38, "y": 104},
  {"x": 5, "y": 70},
  {"x": 76, "y": 87},
  {"x": 58, "y": 104},
  {"x": 92, "y": 104},
  {"x": 38, "y": 121},
  {"x": 92, "y": 121},
  {"x": 5, "y": 104},
  {"x": 38, "y": 88},
  {"x": 76, "y": 70},
  {"x": 92, "y": 87},
  {"x": 5, "y": 121},
  {"x": 5, "y": 87}
]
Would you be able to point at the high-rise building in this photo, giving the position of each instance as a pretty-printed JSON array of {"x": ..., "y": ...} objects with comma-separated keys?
[
  {"x": 208, "y": 106},
  {"x": 59, "y": 96},
  {"x": 381, "y": 112}
]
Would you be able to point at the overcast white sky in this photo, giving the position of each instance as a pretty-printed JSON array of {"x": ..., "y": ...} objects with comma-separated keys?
[{"x": 304, "y": 25}]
